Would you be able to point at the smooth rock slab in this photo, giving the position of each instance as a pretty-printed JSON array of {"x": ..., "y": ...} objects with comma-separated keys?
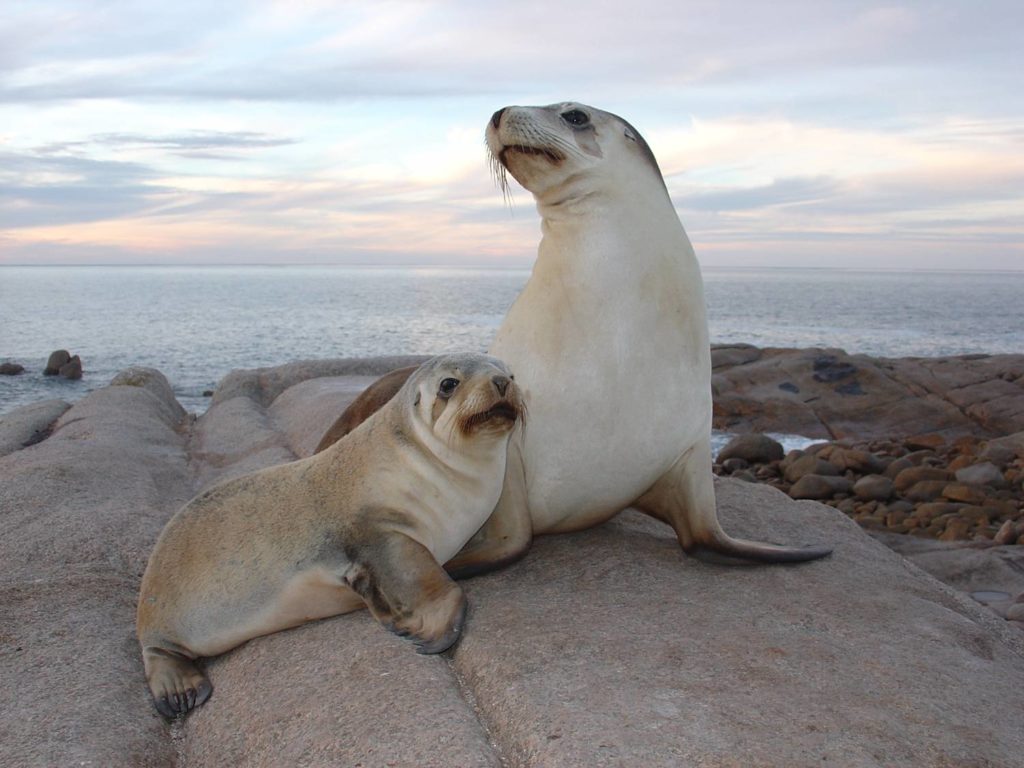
[
  {"x": 611, "y": 647},
  {"x": 74, "y": 690},
  {"x": 29, "y": 424},
  {"x": 338, "y": 692}
]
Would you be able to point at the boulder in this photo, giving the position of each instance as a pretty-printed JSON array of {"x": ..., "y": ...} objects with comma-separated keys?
[
  {"x": 55, "y": 361},
  {"x": 809, "y": 464},
  {"x": 968, "y": 494},
  {"x": 29, "y": 424},
  {"x": 912, "y": 475},
  {"x": 985, "y": 473},
  {"x": 11, "y": 369},
  {"x": 819, "y": 487},
  {"x": 929, "y": 441},
  {"x": 925, "y": 490},
  {"x": 827, "y": 392},
  {"x": 1012, "y": 443},
  {"x": 873, "y": 488},
  {"x": 72, "y": 369},
  {"x": 753, "y": 448}
]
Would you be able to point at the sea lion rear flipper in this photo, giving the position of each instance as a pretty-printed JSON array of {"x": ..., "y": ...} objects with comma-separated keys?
[
  {"x": 406, "y": 590},
  {"x": 684, "y": 497}
]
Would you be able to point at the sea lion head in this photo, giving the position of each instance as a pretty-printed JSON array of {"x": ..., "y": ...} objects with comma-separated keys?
[
  {"x": 467, "y": 396},
  {"x": 547, "y": 149}
]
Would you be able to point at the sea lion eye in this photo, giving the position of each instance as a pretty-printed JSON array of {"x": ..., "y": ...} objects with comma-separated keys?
[
  {"x": 576, "y": 117},
  {"x": 447, "y": 387}
]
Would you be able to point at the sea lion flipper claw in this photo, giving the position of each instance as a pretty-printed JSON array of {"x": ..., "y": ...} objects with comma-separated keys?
[
  {"x": 176, "y": 683},
  {"x": 407, "y": 591}
]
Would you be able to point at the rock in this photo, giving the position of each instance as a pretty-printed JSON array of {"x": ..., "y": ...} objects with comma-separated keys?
[
  {"x": 739, "y": 354},
  {"x": 855, "y": 460},
  {"x": 925, "y": 490},
  {"x": 1007, "y": 533},
  {"x": 1009, "y": 444},
  {"x": 985, "y": 473},
  {"x": 925, "y": 442},
  {"x": 809, "y": 465},
  {"x": 912, "y": 475},
  {"x": 1015, "y": 612},
  {"x": 735, "y": 464},
  {"x": 955, "y": 529},
  {"x": 29, "y": 424},
  {"x": 918, "y": 458},
  {"x": 968, "y": 494},
  {"x": 745, "y": 475},
  {"x": 579, "y": 654},
  {"x": 960, "y": 462},
  {"x": 72, "y": 369},
  {"x": 932, "y": 510},
  {"x": 754, "y": 448},
  {"x": 873, "y": 487},
  {"x": 11, "y": 369},
  {"x": 56, "y": 360},
  {"x": 828, "y": 392},
  {"x": 897, "y": 466},
  {"x": 819, "y": 487}
]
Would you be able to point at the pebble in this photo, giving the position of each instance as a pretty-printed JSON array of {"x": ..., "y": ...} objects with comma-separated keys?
[
  {"x": 873, "y": 487},
  {"x": 985, "y": 473},
  {"x": 819, "y": 487},
  {"x": 755, "y": 448}
]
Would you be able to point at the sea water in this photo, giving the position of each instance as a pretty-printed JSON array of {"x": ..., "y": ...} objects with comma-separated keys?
[{"x": 196, "y": 324}]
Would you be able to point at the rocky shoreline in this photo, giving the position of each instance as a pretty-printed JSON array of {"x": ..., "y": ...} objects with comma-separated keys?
[{"x": 967, "y": 489}]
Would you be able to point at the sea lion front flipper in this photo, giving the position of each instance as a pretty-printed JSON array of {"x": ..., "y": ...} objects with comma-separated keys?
[
  {"x": 176, "y": 683},
  {"x": 508, "y": 532},
  {"x": 406, "y": 590}
]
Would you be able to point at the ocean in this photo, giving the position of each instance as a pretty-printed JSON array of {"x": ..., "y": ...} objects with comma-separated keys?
[{"x": 198, "y": 323}]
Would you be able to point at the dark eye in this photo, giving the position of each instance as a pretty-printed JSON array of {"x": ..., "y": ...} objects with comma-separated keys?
[
  {"x": 447, "y": 387},
  {"x": 576, "y": 117}
]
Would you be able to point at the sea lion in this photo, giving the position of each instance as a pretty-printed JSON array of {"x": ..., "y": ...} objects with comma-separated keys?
[
  {"x": 609, "y": 341},
  {"x": 365, "y": 522}
]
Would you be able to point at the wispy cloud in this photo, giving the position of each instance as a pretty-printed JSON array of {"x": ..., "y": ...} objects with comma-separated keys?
[{"x": 316, "y": 130}]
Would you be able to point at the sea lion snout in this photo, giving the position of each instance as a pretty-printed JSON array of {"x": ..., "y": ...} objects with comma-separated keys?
[{"x": 501, "y": 384}]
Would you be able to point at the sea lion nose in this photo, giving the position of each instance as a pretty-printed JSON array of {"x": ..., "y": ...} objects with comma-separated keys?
[
  {"x": 496, "y": 117},
  {"x": 501, "y": 384}
]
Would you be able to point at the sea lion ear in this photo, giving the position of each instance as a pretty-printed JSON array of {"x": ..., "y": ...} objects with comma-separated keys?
[
  {"x": 629, "y": 134},
  {"x": 417, "y": 400}
]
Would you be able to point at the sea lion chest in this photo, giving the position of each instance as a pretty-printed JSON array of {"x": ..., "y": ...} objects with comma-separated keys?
[{"x": 609, "y": 341}]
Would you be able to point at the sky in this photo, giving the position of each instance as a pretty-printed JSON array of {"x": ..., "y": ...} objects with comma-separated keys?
[{"x": 804, "y": 134}]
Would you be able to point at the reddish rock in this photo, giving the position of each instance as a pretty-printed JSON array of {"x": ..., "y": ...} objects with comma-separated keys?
[
  {"x": 913, "y": 475},
  {"x": 957, "y": 529},
  {"x": 925, "y": 490},
  {"x": 960, "y": 462},
  {"x": 1007, "y": 533},
  {"x": 809, "y": 465},
  {"x": 929, "y": 441},
  {"x": 873, "y": 487},
  {"x": 853, "y": 459},
  {"x": 819, "y": 487},
  {"x": 897, "y": 466},
  {"x": 968, "y": 494}
]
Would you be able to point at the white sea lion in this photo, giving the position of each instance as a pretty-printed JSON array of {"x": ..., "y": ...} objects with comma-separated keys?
[
  {"x": 609, "y": 341},
  {"x": 366, "y": 522}
]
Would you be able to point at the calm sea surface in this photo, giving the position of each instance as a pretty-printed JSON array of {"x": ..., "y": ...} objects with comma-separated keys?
[{"x": 198, "y": 323}]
